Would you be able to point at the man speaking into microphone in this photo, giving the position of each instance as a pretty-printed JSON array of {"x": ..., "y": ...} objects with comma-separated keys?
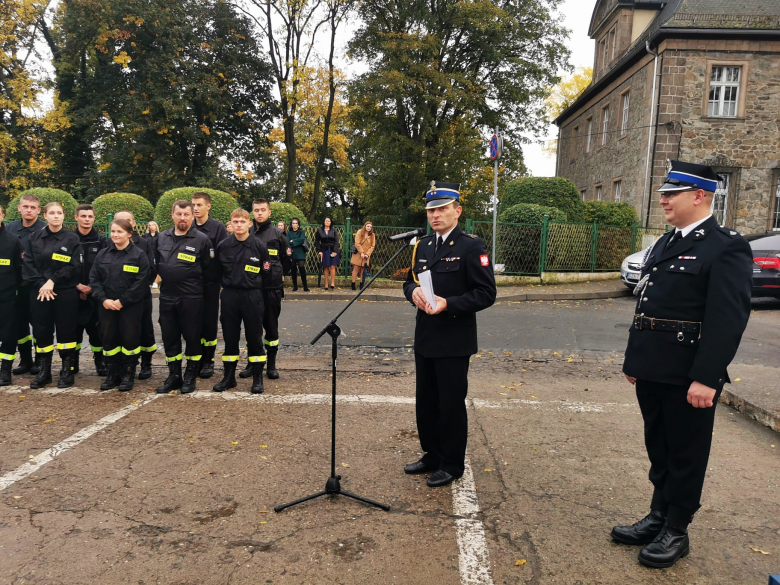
[{"x": 445, "y": 335}]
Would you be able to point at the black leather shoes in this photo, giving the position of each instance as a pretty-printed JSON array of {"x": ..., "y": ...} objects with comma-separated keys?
[
  {"x": 669, "y": 546},
  {"x": 642, "y": 532},
  {"x": 419, "y": 467},
  {"x": 440, "y": 479}
]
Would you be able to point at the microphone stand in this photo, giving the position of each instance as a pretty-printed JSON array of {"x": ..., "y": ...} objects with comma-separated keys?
[{"x": 333, "y": 485}]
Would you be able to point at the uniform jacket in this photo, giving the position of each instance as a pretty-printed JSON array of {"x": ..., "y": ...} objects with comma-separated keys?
[
  {"x": 296, "y": 240},
  {"x": 120, "y": 275},
  {"x": 148, "y": 247},
  {"x": 52, "y": 256},
  {"x": 150, "y": 239},
  {"x": 244, "y": 264},
  {"x": 91, "y": 245},
  {"x": 462, "y": 274},
  {"x": 216, "y": 232},
  {"x": 706, "y": 277},
  {"x": 279, "y": 252},
  {"x": 23, "y": 233},
  {"x": 10, "y": 264},
  {"x": 184, "y": 266}
]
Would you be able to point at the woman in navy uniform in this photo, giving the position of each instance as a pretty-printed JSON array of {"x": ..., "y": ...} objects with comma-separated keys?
[
  {"x": 120, "y": 280},
  {"x": 446, "y": 337},
  {"x": 692, "y": 309},
  {"x": 10, "y": 280}
]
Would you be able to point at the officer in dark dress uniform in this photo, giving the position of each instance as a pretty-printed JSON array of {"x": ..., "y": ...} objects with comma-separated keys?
[
  {"x": 693, "y": 306},
  {"x": 216, "y": 232},
  {"x": 10, "y": 279},
  {"x": 446, "y": 337}
]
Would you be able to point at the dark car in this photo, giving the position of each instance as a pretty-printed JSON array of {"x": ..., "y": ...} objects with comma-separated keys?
[{"x": 766, "y": 266}]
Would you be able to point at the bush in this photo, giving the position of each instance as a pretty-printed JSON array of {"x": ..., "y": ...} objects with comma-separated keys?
[
  {"x": 110, "y": 203},
  {"x": 518, "y": 247},
  {"x": 604, "y": 213},
  {"x": 46, "y": 196},
  {"x": 285, "y": 212},
  {"x": 530, "y": 214},
  {"x": 222, "y": 204},
  {"x": 554, "y": 192}
]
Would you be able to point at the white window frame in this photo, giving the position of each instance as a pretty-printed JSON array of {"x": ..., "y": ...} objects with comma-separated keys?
[
  {"x": 626, "y": 106},
  {"x": 776, "y": 223},
  {"x": 604, "y": 124},
  {"x": 717, "y": 104},
  {"x": 583, "y": 192},
  {"x": 599, "y": 192},
  {"x": 618, "y": 189},
  {"x": 590, "y": 134}
]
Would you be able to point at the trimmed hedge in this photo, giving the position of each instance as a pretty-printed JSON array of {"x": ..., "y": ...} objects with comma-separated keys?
[
  {"x": 222, "y": 204},
  {"x": 45, "y": 195},
  {"x": 530, "y": 213},
  {"x": 554, "y": 192},
  {"x": 285, "y": 212},
  {"x": 519, "y": 247},
  {"x": 140, "y": 207},
  {"x": 605, "y": 213}
]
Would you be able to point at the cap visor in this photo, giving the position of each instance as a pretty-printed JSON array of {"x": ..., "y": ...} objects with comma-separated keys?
[
  {"x": 439, "y": 202},
  {"x": 669, "y": 188}
]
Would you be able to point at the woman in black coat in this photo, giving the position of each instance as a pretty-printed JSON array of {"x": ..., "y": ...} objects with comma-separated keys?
[{"x": 327, "y": 242}]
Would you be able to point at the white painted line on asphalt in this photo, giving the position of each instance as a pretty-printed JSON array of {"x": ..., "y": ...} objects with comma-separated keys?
[
  {"x": 303, "y": 398},
  {"x": 46, "y": 456},
  {"x": 73, "y": 391},
  {"x": 473, "y": 557}
]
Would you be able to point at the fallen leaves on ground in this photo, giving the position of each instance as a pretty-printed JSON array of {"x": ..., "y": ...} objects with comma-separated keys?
[
  {"x": 345, "y": 465},
  {"x": 234, "y": 442},
  {"x": 758, "y": 550},
  {"x": 520, "y": 563}
]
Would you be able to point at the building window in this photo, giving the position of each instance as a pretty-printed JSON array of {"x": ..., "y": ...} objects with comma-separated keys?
[
  {"x": 720, "y": 202},
  {"x": 613, "y": 41},
  {"x": 598, "y": 192},
  {"x": 604, "y": 49},
  {"x": 624, "y": 122},
  {"x": 590, "y": 133},
  {"x": 724, "y": 92},
  {"x": 582, "y": 193},
  {"x": 776, "y": 223},
  {"x": 618, "y": 186},
  {"x": 604, "y": 124},
  {"x": 574, "y": 142}
]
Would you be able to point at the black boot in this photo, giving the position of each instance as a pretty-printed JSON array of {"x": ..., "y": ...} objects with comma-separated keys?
[
  {"x": 100, "y": 364},
  {"x": 303, "y": 279},
  {"x": 128, "y": 374},
  {"x": 273, "y": 373},
  {"x": 6, "y": 367},
  {"x": 353, "y": 285},
  {"x": 207, "y": 363},
  {"x": 228, "y": 378},
  {"x": 642, "y": 532},
  {"x": 257, "y": 377},
  {"x": 25, "y": 360},
  {"x": 294, "y": 274},
  {"x": 75, "y": 361},
  {"x": 246, "y": 372},
  {"x": 190, "y": 374},
  {"x": 146, "y": 365},
  {"x": 113, "y": 374},
  {"x": 66, "y": 373},
  {"x": 36, "y": 367},
  {"x": 173, "y": 381},
  {"x": 670, "y": 545},
  {"x": 44, "y": 370}
]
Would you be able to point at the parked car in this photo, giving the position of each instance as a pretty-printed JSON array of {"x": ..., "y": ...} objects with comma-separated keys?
[
  {"x": 631, "y": 269},
  {"x": 766, "y": 266}
]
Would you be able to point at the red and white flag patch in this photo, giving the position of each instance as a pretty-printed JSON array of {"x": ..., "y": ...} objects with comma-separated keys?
[
  {"x": 484, "y": 260},
  {"x": 266, "y": 266}
]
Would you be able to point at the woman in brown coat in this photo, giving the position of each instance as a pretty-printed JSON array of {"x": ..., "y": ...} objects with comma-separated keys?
[{"x": 365, "y": 242}]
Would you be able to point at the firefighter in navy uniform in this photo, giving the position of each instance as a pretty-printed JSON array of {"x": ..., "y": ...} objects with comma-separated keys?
[
  {"x": 184, "y": 257},
  {"x": 692, "y": 309},
  {"x": 10, "y": 281},
  {"x": 216, "y": 232},
  {"x": 446, "y": 337},
  {"x": 148, "y": 343},
  {"x": 280, "y": 254},
  {"x": 92, "y": 242},
  {"x": 245, "y": 265}
]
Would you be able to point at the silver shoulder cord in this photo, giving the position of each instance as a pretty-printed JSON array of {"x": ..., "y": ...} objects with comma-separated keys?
[{"x": 640, "y": 287}]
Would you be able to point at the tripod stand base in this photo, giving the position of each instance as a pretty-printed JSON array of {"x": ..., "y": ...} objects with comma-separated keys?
[{"x": 332, "y": 488}]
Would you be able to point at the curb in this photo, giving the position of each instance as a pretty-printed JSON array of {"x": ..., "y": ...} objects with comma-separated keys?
[{"x": 750, "y": 410}]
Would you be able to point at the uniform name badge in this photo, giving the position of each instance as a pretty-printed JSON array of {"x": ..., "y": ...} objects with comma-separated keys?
[
  {"x": 127, "y": 268},
  {"x": 60, "y": 258},
  {"x": 186, "y": 257},
  {"x": 5, "y": 262},
  {"x": 272, "y": 252},
  {"x": 255, "y": 269}
]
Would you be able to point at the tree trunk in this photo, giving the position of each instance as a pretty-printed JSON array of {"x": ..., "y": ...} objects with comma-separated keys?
[{"x": 292, "y": 158}]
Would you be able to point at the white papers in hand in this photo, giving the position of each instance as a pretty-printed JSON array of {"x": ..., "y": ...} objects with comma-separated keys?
[{"x": 426, "y": 284}]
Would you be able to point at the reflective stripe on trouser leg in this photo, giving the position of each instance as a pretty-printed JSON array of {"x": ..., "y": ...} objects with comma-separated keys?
[
  {"x": 47, "y": 349},
  {"x": 271, "y": 343},
  {"x": 193, "y": 358},
  {"x": 230, "y": 358},
  {"x": 7, "y": 356},
  {"x": 253, "y": 359},
  {"x": 95, "y": 349},
  {"x": 61, "y": 346},
  {"x": 208, "y": 343},
  {"x": 150, "y": 349},
  {"x": 111, "y": 352},
  {"x": 135, "y": 351},
  {"x": 173, "y": 358}
]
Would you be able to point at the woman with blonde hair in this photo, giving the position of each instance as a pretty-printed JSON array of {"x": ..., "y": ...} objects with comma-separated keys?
[{"x": 365, "y": 242}]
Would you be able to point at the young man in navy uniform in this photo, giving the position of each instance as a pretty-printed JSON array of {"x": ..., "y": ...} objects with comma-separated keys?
[
  {"x": 10, "y": 280},
  {"x": 445, "y": 337},
  {"x": 693, "y": 306}
]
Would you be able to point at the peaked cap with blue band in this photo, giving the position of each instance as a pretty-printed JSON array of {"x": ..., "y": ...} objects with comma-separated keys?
[
  {"x": 440, "y": 194},
  {"x": 685, "y": 176}
]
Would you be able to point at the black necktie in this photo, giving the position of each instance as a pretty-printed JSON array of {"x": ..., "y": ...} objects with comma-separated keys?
[
  {"x": 674, "y": 239},
  {"x": 438, "y": 244}
]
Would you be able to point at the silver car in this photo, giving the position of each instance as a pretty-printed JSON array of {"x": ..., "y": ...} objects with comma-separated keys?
[{"x": 631, "y": 269}]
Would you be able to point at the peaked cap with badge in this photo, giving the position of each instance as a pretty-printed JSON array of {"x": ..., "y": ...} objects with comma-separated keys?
[
  {"x": 440, "y": 194},
  {"x": 685, "y": 176}
]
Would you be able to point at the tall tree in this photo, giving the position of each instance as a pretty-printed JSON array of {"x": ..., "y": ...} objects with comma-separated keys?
[
  {"x": 442, "y": 74},
  {"x": 562, "y": 96}
]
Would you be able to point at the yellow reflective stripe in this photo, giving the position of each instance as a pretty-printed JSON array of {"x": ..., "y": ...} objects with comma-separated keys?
[
  {"x": 208, "y": 343},
  {"x": 78, "y": 345},
  {"x": 186, "y": 257},
  {"x": 110, "y": 352},
  {"x": 24, "y": 340},
  {"x": 127, "y": 268},
  {"x": 230, "y": 358},
  {"x": 60, "y": 257},
  {"x": 175, "y": 358},
  {"x": 135, "y": 351},
  {"x": 254, "y": 269},
  {"x": 7, "y": 356},
  {"x": 149, "y": 349},
  {"x": 193, "y": 358},
  {"x": 256, "y": 358},
  {"x": 5, "y": 262},
  {"x": 61, "y": 346},
  {"x": 47, "y": 349},
  {"x": 95, "y": 349},
  {"x": 271, "y": 343},
  {"x": 272, "y": 252}
]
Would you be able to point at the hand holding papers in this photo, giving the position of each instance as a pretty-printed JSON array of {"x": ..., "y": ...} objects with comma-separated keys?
[{"x": 426, "y": 284}]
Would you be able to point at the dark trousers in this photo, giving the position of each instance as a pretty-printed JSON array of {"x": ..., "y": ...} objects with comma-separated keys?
[
  {"x": 242, "y": 305},
  {"x": 210, "y": 315},
  {"x": 442, "y": 421},
  {"x": 678, "y": 439},
  {"x": 299, "y": 266},
  {"x": 182, "y": 317},
  {"x": 89, "y": 321},
  {"x": 272, "y": 308},
  {"x": 23, "y": 316},
  {"x": 148, "y": 344},
  {"x": 61, "y": 315},
  {"x": 121, "y": 331},
  {"x": 8, "y": 331}
]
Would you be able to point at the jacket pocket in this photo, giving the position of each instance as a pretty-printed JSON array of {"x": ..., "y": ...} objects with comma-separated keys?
[
  {"x": 443, "y": 266},
  {"x": 685, "y": 268}
]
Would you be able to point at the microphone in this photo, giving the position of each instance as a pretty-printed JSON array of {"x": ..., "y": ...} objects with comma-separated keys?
[{"x": 408, "y": 235}]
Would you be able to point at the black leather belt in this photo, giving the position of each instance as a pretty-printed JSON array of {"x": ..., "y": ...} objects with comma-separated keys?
[{"x": 641, "y": 323}]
